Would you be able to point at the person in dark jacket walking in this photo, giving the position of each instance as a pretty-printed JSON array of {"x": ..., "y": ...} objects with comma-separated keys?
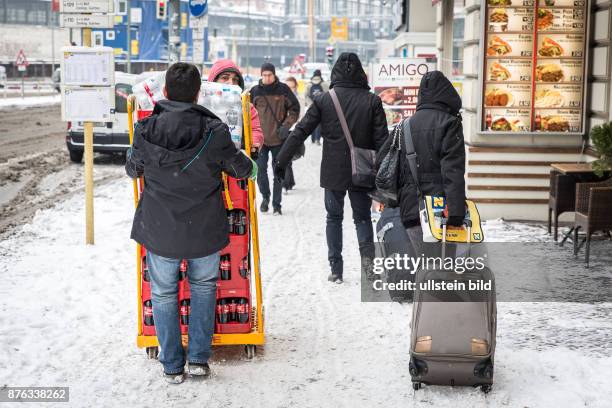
[
  {"x": 368, "y": 127},
  {"x": 181, "y": 150},
  {"x": 316, "y": 87},
  {"x": 437, "y": 133},
  {"x": 278, "y": 110}
]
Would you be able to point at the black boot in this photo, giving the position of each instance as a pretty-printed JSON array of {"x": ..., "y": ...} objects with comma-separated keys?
[
  {"x": 264, "y": 205},
  {"x": 336, "y": 272}
]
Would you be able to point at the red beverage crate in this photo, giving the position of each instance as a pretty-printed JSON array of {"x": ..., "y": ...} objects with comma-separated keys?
[
  {"x": 141, "y": 114},
  {"x": 238, "y": 193}
]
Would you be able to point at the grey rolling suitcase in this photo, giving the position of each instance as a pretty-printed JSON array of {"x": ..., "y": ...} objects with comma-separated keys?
[
  {"x": 453, "y": 342},
  {"x": 392, "y": 236}
]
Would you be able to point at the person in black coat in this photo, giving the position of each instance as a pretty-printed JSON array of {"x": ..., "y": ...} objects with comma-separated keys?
[
  {"x": 368, "y": 127},
  {"x": 181, "y": 150},
  {"x": 437, "y": 134}
]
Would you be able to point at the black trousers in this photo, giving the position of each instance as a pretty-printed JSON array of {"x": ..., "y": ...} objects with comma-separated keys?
[{"x": 361, "y": 205}]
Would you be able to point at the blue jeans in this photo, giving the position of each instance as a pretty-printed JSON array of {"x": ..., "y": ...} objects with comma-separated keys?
[
  {"x": 262, "y": 176},
  {"x": 202, "y": 274},
  {"x": 361, "y": 205},
  {"x": 316, "y": 134}
]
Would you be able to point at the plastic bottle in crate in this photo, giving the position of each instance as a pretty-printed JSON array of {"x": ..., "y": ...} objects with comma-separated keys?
[
  {"x": 185, "y": 309},
  {"x": 242, "y": 310},
  {"x": 244, "y": 267},
  {"x": 148, "y": 313},
  {"x": 225, "y": 267}
]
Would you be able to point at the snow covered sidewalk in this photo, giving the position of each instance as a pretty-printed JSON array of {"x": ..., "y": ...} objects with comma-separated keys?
[{"x": 68, "y": 318}]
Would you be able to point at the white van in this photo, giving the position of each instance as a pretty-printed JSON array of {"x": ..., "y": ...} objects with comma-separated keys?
[
  {"x": 109, "y": 137},
  {"x": 2, "y": 76}
]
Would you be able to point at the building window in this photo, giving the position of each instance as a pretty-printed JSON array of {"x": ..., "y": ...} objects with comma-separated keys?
[
  {"x": 98, "y": 39},
  {"x": 121, "y": 7}
]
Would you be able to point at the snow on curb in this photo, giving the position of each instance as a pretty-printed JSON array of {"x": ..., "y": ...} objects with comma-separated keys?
[{"x": 29, "y": 101}]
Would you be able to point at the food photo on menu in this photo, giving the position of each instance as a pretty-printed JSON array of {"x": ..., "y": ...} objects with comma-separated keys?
[
  {"x": 549, "y": 73},
  {"x": 548, "y": 98}
]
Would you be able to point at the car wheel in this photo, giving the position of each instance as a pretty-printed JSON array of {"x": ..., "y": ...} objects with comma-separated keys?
[{"x": 76, "y": 156}]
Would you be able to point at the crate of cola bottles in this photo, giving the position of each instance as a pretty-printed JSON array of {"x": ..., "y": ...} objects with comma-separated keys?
[{"x": 233, "y": 285}]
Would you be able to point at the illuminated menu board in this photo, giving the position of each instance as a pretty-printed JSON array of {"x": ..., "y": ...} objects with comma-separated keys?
[{"x": 534, "y": 65}]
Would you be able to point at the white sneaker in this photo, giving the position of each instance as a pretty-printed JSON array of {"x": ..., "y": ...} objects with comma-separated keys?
[
  {"x": 174, "y": 378},
  {"x": 199, "y": 370}
]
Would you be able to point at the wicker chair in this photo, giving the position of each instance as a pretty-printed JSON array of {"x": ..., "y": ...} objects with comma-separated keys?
[
  {"x": 562, "y": 198},
  {"x": 592, "y": 212}
]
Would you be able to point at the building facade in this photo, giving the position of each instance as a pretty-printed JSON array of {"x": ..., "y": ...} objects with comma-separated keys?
[{"x": 508, "y": 170}]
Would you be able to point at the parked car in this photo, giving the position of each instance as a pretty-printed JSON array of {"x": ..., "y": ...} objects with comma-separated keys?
[
  {"x": 109, "y": 137},
  {"x": 56, "y": 77}
]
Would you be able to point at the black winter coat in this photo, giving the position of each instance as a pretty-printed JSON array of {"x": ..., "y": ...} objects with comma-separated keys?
[
  {"x": 181, "y": 149},
  {"x": 437, "y": 133},
  {"x": 365, "y": 117}
]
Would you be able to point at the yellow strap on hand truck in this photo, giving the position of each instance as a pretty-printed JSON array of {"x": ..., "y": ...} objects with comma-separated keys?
[
  {"x": 131, "y": 103},
  {"x": 228, "y": 199}
]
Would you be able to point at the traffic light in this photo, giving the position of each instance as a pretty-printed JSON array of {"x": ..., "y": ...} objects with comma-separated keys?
[
  {"x": 329, "y": 52},
  {"x": 161, "y": 9}
]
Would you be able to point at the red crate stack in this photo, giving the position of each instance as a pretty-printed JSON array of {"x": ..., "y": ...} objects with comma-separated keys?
[
  {"x": 233, "y": 288},
  {"x": 233, "y": 311}
]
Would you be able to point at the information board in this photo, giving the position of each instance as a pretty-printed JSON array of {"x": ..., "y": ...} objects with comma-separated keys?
[
  {"x": 88, "y": 66},
  {"x": 88, "y": 104},
  {"x": 534, "y": 65}
]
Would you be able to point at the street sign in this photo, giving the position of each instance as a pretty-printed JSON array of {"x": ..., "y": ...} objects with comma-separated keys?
[
  {"x": 21, "y": 61},
  {"x": 198, "y": 8},
  {"x": 86, "y": 20},
  {"x": 340, "y": 28},
  {"x": 198, "y": 23},
  {"x": 87, "y": 6}
]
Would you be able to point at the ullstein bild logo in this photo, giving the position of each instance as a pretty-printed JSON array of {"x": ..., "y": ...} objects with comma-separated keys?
[{"x": 402, "y": 69}]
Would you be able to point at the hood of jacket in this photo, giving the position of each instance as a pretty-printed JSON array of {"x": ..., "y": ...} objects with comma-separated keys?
[
  {"x": 225, "y": 65},
  {"x": 348, "y": 72},
  {"x": 437, "y": 92},
  {"x": 171, "y": 114}
]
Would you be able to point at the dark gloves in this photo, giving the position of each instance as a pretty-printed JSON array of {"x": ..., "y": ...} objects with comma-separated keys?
[
  {"x": 283, "y": 133},
  {"x": 279, "y": 171},
  {"x": 254, "y": 153},
  {"x": 454, "y": 221}
]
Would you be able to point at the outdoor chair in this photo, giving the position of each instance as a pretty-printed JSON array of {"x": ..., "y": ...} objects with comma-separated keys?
[
  {"x": 562, "y": 198},
  {"x": 593, "y": 212}
]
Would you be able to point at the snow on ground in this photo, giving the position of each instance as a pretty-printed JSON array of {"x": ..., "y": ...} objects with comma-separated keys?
[
  {"x": 68, "y": 318},
  {"x": 28, "y": 101}
]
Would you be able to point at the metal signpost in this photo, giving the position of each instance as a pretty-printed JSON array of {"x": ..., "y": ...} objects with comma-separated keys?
[
  {"x": 87, "y": 82},
  {"x": 22, "y": 65},
  {"x": 199, "y": 24}
]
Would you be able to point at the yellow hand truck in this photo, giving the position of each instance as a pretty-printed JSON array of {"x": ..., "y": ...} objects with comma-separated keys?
[{"x": 256, "y": 336}]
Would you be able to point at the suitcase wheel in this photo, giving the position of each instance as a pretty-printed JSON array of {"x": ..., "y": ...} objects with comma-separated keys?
[
  {"x": 485, "y": 388},
  {"x": 416, "y": 386}
]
